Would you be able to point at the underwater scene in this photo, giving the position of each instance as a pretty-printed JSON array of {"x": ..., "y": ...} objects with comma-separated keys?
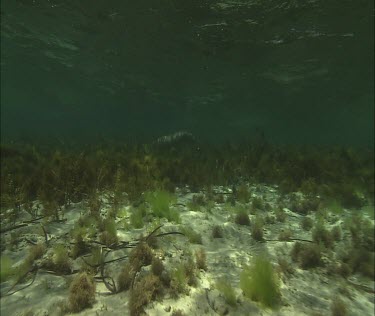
[{"x": 187, "y": 157}]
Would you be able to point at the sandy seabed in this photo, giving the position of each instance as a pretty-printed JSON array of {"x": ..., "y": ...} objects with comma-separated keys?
[{"x": 304, "y": 292}]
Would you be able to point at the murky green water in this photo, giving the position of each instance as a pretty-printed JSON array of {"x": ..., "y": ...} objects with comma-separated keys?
[{"x": 300, "y": 71}]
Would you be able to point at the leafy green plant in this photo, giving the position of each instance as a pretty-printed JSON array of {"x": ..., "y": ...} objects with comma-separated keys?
[
  {"x": 338, "y": 307},
  {"x": 242, "y": 218},
  {"x": 157, "y": 266},
  {"x": 36, "y": 252},
  {"x": 335, "y": 207},
  {"x": 257, "y": 229},
  {"x": 193, "y": 207},
  {"x": 178, "y": 312},
  {"x": 190, "y": 270},
  {"x": 217, "y": 231},
  {"x": 192, "y": 235},
  {"x": 95, "y": 205},
  {"x": 336, "y": 233},
  {"x": 307, "y": 255},
  {"x": 136, "y": 216},
  {"x": 92, "y": 261},
  {"x": 200, "y": 259},
  {"x": 199, "y": 199},
  {"x": 269, "y": 219},
  {"x": 370, "y": 211},
  {"x": 6, "y": 270},
  {"x": 122, "y": 213},
  {"x": 145, "y": 291},
  {"x": 285, "y": 266},
  {"x": 80, "y": 246},
  {"x": 109, "y": 235},
  {"x": 285, "y": 235},
  {"x": 344, "y": 270},
  {"x": 81, "y": 292},
  {"x": 304, "y": 206},
  {"x": 86, "y": 225},
  {"x": 23, "y": 269},
  {"x": 63, "y": 175},
  {"x": 126, "y": 277},
  {"x": 350, "y": 195},
  {"x": 258, "y": 203},
  {"x": 61, "y": 261},
  {"x": 228, "y": 292},
  {"x": 51, "y": 209},
  {"x": 322, "y": 235},
  {"x": 280, "y": 215},
  {"x": 219, "y": 198},
  {"x": 140, "y": 256},
  {"x": 361, "y": 260},
  {"x": 19, "y": 272},
  {"x": 160, "y": 202},
  {"x": 242, "y": 193},
  {"x": 307, "y": 223},
  {"x": 178, "y": 281},
  {"x": 259, "y": 282}
]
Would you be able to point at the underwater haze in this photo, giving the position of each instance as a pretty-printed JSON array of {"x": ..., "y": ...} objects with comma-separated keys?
[
  {"x": 187, "y": 158},
  {"x": 299, "y": 72}
]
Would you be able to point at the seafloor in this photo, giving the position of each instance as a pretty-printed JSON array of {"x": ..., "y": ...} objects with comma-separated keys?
[{"x": 211, "y": 238}]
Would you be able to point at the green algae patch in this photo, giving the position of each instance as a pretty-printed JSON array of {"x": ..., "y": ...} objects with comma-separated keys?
[{"x": 259, "y": 282}]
